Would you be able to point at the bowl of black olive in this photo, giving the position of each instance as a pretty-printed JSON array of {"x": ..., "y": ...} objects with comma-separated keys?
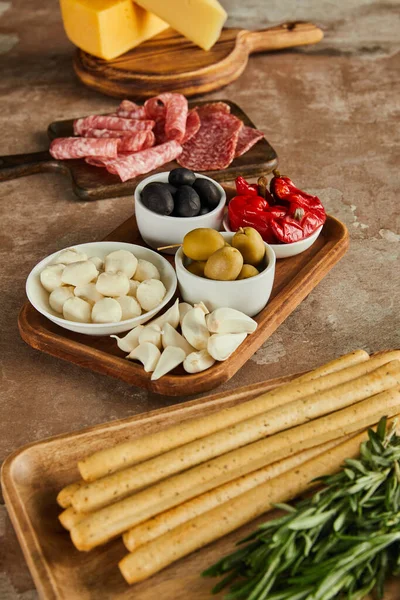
[{"x": 168, "y": 205}]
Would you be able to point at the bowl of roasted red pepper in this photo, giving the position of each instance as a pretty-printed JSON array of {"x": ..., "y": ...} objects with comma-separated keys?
[{"x": 287, "y": 218}]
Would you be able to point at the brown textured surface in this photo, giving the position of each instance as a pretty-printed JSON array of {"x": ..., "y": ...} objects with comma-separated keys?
[{"x": 331, "y": 114}]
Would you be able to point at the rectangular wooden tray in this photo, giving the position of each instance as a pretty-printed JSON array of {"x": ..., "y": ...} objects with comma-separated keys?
[{"x": 295, "y": 278}]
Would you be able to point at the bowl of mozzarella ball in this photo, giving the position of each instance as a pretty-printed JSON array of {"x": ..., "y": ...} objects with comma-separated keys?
[{"x": 101, "y": 288}]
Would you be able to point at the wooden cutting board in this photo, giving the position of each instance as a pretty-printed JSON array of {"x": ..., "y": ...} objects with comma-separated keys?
[
  {"x": 171, "y": 63},
  {"x": 93, "y": 183}
]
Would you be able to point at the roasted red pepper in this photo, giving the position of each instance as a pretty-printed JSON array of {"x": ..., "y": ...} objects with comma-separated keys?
[{"x": 243, "y": 188}]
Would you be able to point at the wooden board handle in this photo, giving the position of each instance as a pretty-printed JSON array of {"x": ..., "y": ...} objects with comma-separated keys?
[
  {"x": 19, "y": 165},
  {"x": 282, "y": 36}
]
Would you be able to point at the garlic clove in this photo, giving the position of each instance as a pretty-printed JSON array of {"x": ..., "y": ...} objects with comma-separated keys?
[
  {"x": 121, "y": 261},
  {"x": 133, "y": 286},
  {"x": 106, "y": 310},
  {"x": 77, "y": 310},
  {"x": 170, "y": 316},
  {"x": 170, "y": 337},
  {"x": 69, "y": 256},
  {"x": 88, "y": 292},
  {"x": 198, "y": 361},
  {"x": 170, "y": 358},
  {"x": 50, "y": 277},
  {"x": 150, "y": 293},
  {"x": 79, "y": 273},
  {"x": 130, "y": 307},
  {"x": 112, "y": 284},
  {"x": 184, "y": 307},
  {"x": 146, "y": 270},
  {"x": 148, "y": 354},
  {"x": 59, "y": 296},
  {"x": 230, "y": 320},
  {"x": 97, "y": 261},
  {"x": 194, "y": 328},
  {"x": 222, "y": 345},
  {"x": 130, "y": 341},
  {"x": 151, "y": 333},
  {"x": 203, "y": 307}
]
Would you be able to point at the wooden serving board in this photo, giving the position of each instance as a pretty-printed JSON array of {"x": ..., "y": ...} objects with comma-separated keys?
[
  {"x": 171, "y": 63},
  {"x": 94, "y": 183},
  {"x": 32, "y": 476},
  {"x": 295, "y": 277}
]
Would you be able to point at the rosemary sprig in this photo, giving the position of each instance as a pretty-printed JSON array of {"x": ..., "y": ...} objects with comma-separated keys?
[{"x": 342, "y": 542}]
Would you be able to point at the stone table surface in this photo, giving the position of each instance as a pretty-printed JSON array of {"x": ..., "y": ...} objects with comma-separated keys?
[{"x": 331, "y": 112}]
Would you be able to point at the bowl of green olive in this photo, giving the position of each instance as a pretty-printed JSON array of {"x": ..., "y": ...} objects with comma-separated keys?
[{"x": 168, "y": 205}]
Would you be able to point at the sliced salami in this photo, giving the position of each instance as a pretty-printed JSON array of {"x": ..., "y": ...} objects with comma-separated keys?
[
  {"x": 136, "y": 142},
  {"x": 192, "y": 125},
  {"x": 106, "y": 133},
  {"x": 141, "y": 162},
  {"x": 248, "y": 136},
  {"x": 130, "y": 110},
  {"x": 70, "y": 147},
  {"x": 214, "y": 145},
  {"x": 111, "y": 122},
  {"x": 174, "y": 109}
]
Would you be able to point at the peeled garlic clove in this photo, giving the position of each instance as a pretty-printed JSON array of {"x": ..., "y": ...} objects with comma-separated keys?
[
  {"x": 170, "y": 316},
  {"x": 133, "y": 286},
  {"x": 88, "y": 292},
  {"x": 146, "y": 270},
  {"x": 59, "y": 296},
  {"x": 106, "y": 310},
  {"x": 229, "y": 320},
  {"x": 130, "y": 307},
  {"x": 121, "y": 261},
  {"x": 194, "y": 328},
  {"x": 78, "y": 310},
  {"x": 198, "y": 361},
  {"x": 170, "y": 337},
  {"x": 150, "y": 293},
  {"x": 184, "y": 307},
  {"x": 50, "y": 277},
  {"x": 221, "y": 345},
  {"x": 97, "y": 261},
  {"x": 79, "y": 273},
  {"x": 151, "y": 333},
  {"x": 203, "y": 307},
  {"x": 148, "y": 354},
  {"x": 112, "y": 284},
  {"x": 69, "y": 256},
  {"x": 130, "y": 341},
  {"x": 170, "y": 358}
]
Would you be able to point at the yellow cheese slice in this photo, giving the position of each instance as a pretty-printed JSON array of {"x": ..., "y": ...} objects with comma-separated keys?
[
  {"x": 200, "y": 21},
  {"x": 108, "y": 28}
]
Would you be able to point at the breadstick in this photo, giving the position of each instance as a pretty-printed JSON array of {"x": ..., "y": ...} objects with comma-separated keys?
[
  {"x": 347, "y": 360},
  {"x": 97, "y": 494},
  {"x": 65, "y": 495},
  {"x": 113, "y": 520},
  {"x": 70, "y": 517},
  {"x": 164, "y": 522}
]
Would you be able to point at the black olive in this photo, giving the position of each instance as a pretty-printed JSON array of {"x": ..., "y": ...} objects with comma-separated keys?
[
  {"x": 157, "y": 198},
  {"x": 171, "y": 188},
  {"x": 187, "y": 202},
  {"x": 204, "y": 210},
  {"x": 208, "y": 192},
  {"x": 181, "y": 176}
]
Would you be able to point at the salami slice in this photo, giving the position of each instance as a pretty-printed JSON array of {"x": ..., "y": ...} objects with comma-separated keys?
[
  {"x": 111, "y": 122},
  {"x": 214, "y": 145},
  {"x": 71, "y": 147},
  {"x": 192, "y": 125},
  {"x": 174, "y": 109},
  {"x": 142, "y": 162},
  {"x": 248, "y": 136},
  {"x": 130, "y": 110},
  {"x": 136, "y": 142}
]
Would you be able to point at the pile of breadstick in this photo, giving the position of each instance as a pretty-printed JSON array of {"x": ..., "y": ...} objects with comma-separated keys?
[{"x": 174, "y": 491}]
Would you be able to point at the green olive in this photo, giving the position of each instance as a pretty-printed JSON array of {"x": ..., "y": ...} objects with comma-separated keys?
[
  {"x": 224, "y": 265},
  {"x": 250, "y": 244},
  {"x": 201, "y": 243},
  {"x": 197, "y": 267},
  {"x": 247, "y": 271}
]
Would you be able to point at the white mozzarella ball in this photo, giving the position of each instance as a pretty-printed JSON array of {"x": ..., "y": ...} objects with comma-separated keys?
[
  {"x": 106, "y": 310},
  {"x": 121, "y": 261},
  {"x": 76, "y": 309},
  {"x": 79, "y": 273},
  {"x": 97, "y": 261},
  {"x": 59, "y": 296},
  {"x": 146, "y": 270},
  {"x": 150, "y": 293},
  {"x": 69, "y": 256},
  {"x": 88, "y": 292},
  {"x": 133, "y": 286},
  {"x": 130, "y": 307},
  {"x": 112, "y": 284},
  {"x": 50, "y": 277}
]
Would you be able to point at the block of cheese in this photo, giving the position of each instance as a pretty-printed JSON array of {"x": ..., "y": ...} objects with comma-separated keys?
[
  {"x": 108, "y": 28},
  {"x": 200, "y": 21}
]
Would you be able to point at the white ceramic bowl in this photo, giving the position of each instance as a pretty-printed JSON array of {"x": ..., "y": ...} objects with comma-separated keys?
[
  {"x": 285, "y": 250},
  {"x": 39, "y": 297},
  {"x": 247, "y": 295},
  {"x": 159, "y": 230}
]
